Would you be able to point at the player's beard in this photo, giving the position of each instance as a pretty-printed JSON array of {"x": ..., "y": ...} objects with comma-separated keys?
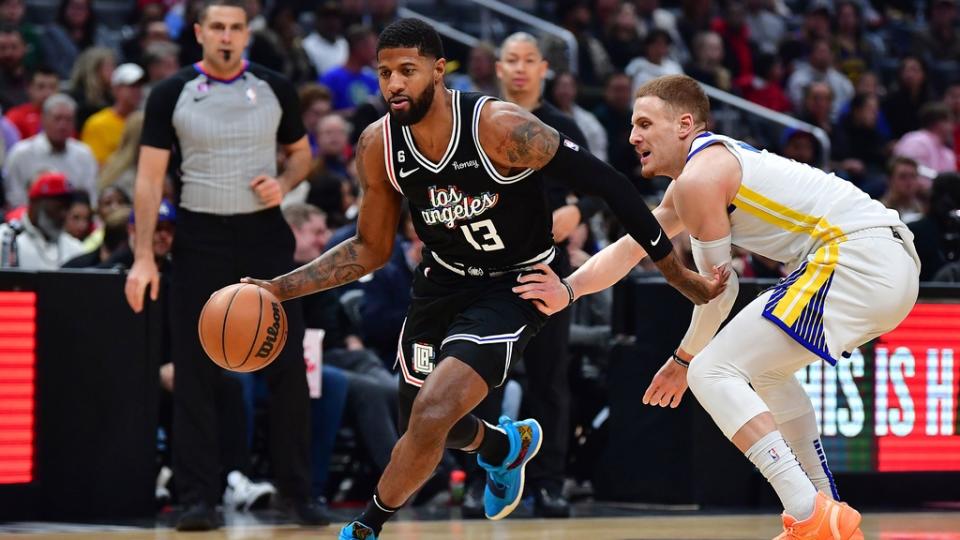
[{"x": 418, "y": 108}]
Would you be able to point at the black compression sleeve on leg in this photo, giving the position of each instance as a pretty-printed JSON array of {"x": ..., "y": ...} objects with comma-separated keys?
[{"x": 582, "y": 172}]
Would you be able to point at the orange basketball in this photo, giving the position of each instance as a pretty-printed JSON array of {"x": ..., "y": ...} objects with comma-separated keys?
[{"x": 242, "y": 327}]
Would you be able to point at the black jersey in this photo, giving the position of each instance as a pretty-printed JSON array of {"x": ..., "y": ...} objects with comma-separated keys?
[{"x": 471, "y": 218}]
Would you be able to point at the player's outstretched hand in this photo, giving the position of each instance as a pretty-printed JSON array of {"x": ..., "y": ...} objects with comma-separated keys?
[
  {"x": 266, "y": 284},
  {"x": 668, "y": 386},
  {"x": 268, "y": 189},
  {"x": 544, "y": 289}
]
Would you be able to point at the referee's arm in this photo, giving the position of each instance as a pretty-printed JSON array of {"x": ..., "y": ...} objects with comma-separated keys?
[
  {"x": 292, "y": 138},
  {"x": 155, "y": 145},
  {"x": 372, "y": 246}
]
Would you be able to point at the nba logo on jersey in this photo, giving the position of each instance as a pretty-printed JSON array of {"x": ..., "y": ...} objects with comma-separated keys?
[{"x": 423, "y": 358}]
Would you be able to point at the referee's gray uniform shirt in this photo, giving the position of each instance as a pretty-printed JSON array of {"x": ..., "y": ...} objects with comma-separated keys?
[{"x": 225, "y": 133}]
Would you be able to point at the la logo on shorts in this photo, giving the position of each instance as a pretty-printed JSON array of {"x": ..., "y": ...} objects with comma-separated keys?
[{"x": 423, "y": 358}]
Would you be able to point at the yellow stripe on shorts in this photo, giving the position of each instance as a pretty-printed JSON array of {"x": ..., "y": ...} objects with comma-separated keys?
[{"x": 798, "y": 295}]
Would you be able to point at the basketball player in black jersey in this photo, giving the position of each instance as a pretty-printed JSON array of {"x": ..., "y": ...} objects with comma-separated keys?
[{"x": 469, "y": 167}]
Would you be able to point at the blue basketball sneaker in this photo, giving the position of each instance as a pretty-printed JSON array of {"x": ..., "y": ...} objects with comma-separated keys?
[
  {"x": 505, "y": 481},
  {"x": 357, "y": 531}
]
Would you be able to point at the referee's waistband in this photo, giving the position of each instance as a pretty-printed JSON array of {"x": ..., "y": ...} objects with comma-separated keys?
[
  {"x": 231, "y": 218},
  {"x": 467, "y": 270}
]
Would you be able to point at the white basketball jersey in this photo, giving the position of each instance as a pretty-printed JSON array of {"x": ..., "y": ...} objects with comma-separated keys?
[{"x": 785, "y": 210}]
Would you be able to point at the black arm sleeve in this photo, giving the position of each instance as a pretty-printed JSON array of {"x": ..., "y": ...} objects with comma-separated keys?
[
  {"x": 588, "y": 206},
  {"x": 578, "y": 168},
  {"x": 158, "y": 130}
]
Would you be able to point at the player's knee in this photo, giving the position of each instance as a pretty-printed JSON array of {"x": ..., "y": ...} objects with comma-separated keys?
[
  {"x": 705, "y": 370},
  {"x": 431, "y": 418}
]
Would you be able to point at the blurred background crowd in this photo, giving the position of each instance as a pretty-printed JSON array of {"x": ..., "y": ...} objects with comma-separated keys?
[{"x": 875, "y": 84}]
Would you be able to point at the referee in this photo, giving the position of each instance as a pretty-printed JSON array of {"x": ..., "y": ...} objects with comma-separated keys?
[{"x": 224, "y": 118}]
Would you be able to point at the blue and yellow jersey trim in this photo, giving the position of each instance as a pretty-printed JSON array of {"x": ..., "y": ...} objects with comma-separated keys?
[{"x": 796, "y": 304}]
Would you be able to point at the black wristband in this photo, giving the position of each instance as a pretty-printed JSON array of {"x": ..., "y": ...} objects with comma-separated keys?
[
  {"x": 679, "y": 360},
  {"x": 569, "y": 291}
]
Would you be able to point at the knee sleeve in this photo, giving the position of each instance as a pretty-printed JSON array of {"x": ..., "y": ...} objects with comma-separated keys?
[
  {"x": 785, "y": 398},
  {"x": 723, "y": 390}
]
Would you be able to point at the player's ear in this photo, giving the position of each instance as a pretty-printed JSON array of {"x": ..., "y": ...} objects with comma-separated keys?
[
  {"x": 687, "y": 124},
  {"x": 440, "y": 67},
  {"x": 196, "y": 32}
]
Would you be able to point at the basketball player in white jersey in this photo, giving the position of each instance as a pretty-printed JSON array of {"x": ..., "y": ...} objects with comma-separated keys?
[{"x": 856, "y": 277}]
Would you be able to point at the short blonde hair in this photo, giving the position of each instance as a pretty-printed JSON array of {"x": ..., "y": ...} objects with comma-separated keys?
[{"x": 680, "y": 92}]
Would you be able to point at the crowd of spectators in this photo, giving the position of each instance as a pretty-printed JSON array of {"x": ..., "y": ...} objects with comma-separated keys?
[{"x": 879, "y": 77}]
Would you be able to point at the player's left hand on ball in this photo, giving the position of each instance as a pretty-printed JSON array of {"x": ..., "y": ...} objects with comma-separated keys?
[
  {"x": 268, "y": 189},
  {"x": 544, "y": 289},
  {"x": 266, "y": 284},
  {"x": 667, "y": 386}
]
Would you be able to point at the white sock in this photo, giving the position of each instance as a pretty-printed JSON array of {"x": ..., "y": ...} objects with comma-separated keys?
[
  {"x": 780, "y": 467},
  {"x": 803, "y": 437}
]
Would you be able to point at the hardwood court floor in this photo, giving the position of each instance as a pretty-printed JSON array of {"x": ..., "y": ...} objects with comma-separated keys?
[{"x": 915, "y": 526}]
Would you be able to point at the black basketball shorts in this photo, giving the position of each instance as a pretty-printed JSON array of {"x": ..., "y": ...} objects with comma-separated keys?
[{"x": 479, "y": 321}]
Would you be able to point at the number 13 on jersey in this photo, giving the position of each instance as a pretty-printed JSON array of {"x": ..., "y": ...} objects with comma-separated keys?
[{"x": 488, "y": 234}]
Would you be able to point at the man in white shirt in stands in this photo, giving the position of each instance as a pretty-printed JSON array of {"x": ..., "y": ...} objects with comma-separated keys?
[
  {"x": 36, "y": 241},
  {"x": 51, "y": 150}
]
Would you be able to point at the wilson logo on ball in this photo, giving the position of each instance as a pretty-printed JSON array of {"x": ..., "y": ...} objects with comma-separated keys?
[{"x": 272, "y": 333}]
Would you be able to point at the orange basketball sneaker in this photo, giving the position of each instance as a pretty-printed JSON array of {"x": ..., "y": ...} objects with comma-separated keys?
[{"x": 830, "y": 520}]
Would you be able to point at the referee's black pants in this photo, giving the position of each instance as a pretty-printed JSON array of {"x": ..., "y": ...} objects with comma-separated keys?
[
  {"x": 547, "y": 395},
  {"x": 211, "y": 252}
]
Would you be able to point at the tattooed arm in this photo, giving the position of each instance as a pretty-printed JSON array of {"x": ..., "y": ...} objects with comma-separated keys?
[
  {"x": 515, "y": 139},
  {"x": 370, "y": 249}
]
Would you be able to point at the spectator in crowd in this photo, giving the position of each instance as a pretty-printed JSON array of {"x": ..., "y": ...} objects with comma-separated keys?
[
  {"x": 614, "y": 114},
  {"x": 11, "y": 13},
  {"x": 90, "y": 82},
  {"x": 381, "y": 13},
  {"x": 120, "y": 170},
  {"x": 937, "y": 233},
  {"x": 801, "y": 146},
  {"x": 903, "y": 189},
  {"x": 563, "y": 95},
  {"x": 74, "y": 30},
  {"x": 653, "y": 17},
  {"x": 14, "y": 78},
  {"x": 621, "y": 36},
  {"x": 27, "y": 116},
  {"x": 732, "y": 27},
  {"x": 911, "y": 92},
  {"x": 930, "y": 146},
  {"x": 150, "y": 30},
  {"x": 855, "y": 53},
  {"x": 481, "y": 73},
  {"x": 654, "y": 63},
  {"x": 952, "y": 99},
  {"x": 766, "y": 28},
  {"x": 819, "y": 68},
  {"x": 817, "y": 105},
  {"x": 766, "y": 88},
  {"x": 160, "y": 60},
  {"x": 79, "y": 220},
  {"x": 115, "y": 239},
  {"x": 859, "y": 149},
  {"x": 695, "y": 17},
  {"x": 939, "y": 40},
  {"x": 593, "y": 62},
  {"x": 111, "y": 198},
  {"x": 333, "y": 144},
  {"x": 52, "y": 149},
  {"x": 278, "y": 46},
  {"x": 325, "y": 45},
  {"x": 707, "y": 66},
  {"x": 354, "y": 81},
  {"x": 38, "y": 238},
  {"x": 816, "y": 26},
  {"x": 316, "y": 102},
  {"x": 103, "y": 131}
]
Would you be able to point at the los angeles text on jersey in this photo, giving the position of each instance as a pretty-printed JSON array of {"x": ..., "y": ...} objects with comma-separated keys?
[{"x": 450, "y": 205}]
